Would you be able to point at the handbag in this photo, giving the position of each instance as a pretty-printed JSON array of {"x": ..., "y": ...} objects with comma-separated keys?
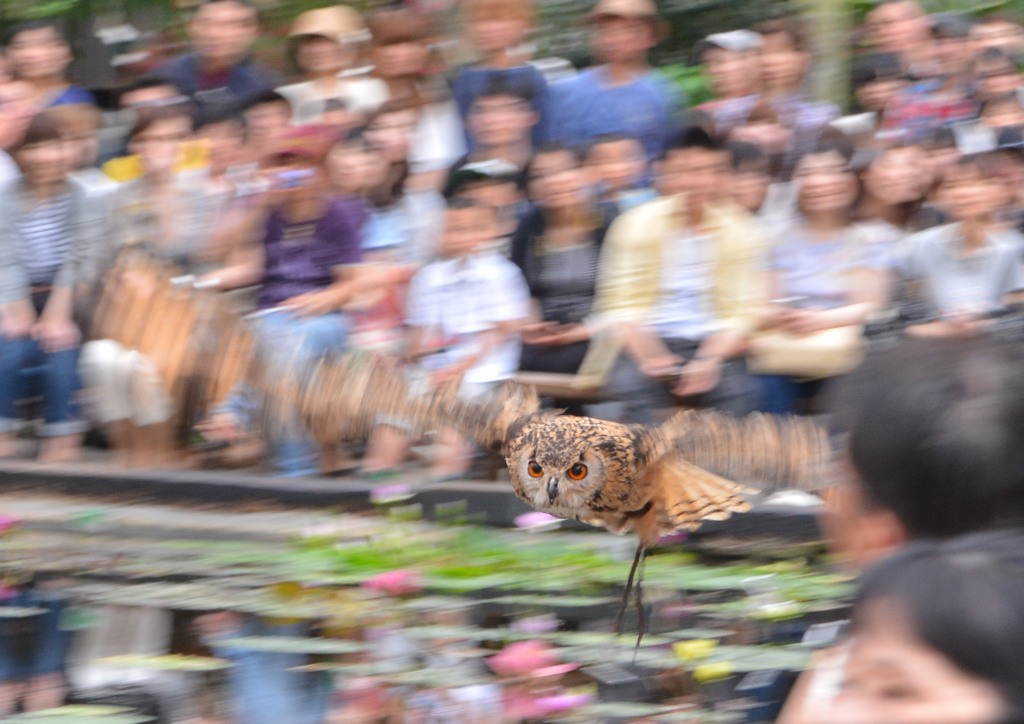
[{"x": 827, "y": 353}]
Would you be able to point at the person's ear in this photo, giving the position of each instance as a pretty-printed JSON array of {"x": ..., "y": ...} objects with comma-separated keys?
[{"x": 856, "y": 531}]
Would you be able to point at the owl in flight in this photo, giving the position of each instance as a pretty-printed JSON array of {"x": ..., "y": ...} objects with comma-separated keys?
[{"x": 651, "y": 481}]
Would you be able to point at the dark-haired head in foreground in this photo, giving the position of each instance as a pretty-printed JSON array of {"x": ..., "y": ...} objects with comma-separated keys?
[
  {"x": 939, "y": 635},
  {"x": 935, "y": 444}
]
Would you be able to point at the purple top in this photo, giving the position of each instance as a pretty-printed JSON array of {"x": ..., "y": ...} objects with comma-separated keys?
[{"x": 301, "y": 257}]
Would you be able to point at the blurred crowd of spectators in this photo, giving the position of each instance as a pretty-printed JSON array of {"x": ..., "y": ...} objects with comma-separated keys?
[{"x": 478, "y": 220}]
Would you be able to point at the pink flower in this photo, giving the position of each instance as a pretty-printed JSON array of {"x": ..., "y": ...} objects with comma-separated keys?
[
  {"x": 395, "y": 583},
  {"x": 562, "y": 702},
  {"x": 7, "y": 522},
  {"x": 522, "y": 657},
  {"x": 537, "y": 520}
]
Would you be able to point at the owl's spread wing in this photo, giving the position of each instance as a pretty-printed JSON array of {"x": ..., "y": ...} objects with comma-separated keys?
[
  {"x": 343, "y": 398},
  {"x": 491, "y": 419},
  {"x": 768, "y": 450},
  {"x": 683, "y": 496}
]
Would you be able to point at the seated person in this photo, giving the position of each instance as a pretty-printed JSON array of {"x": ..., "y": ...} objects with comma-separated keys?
[
  {"x": 302, "y": 244},
  {"x": 464, "y": 313},
  {"x": 931, "y": 451},
  {"x": 823, "y": 274},
  {"x": 679, "y": 278},
  {"x": 49, "y": 230},
  {"x": 170, "y": 215},
  {"x": 965, "y": 271},
  {"x": 558, "y": 247}
]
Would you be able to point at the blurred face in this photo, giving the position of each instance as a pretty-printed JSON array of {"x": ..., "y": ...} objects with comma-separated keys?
[
  {"x": 46, "y": 163},
  {"x": 697, "y": 172},
  {"x": 750, "y": 187},
  {"x": 391, "y": 134},
  {"x": 826, "y": 184},
  {"x": 157, "y": 146},
  {"x": 501, "y": 121},
  {"x": 1006, "y": 36},
  {"x": 617, "y": 165},
  {"x": 967, "y": 195},
  {"x": 38, "y": 54},
  {"x": 494, "y": 34},
  {"x": 267, "y": 121},
  {"x": 782, "y": 65},
  {"x": 467, "y": 230},
  {"x": 953, "y": 54},
  {"x": 84, "y": 146},
  {"x": 733, "y": 74},
  {"x": 1005, "y": 112},
  {"x": 317, "y": 55},
  {"x": 223, "y": 32},
  {"x": 898, "y": 27},
  {"x": 356, "y": 169},
  {"x": 225, "y": 144},
  {"x": 876, "y": 95},
  {"x": 898, "y": 176},
  {"x": 996, "y": 79},
  {"x": 294, "y": 179},
  {"x": 621, "y": 40},
  {"x": 893, "y": 676},
  {"x": 6, "y": 74},
  {"x": 400, "y": 60},
  {"x": 556, "y": 180}
]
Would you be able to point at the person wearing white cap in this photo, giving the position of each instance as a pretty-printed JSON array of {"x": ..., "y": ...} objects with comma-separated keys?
[{"x": 623, "y": 95}]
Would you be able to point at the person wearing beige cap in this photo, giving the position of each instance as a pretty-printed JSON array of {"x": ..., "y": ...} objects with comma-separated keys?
[
  {"x": 323, "y": 44},
  {"x": 622, "y": 96}
]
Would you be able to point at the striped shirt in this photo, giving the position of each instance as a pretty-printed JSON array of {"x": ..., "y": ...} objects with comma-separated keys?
[{"x": 45, "y": 239}]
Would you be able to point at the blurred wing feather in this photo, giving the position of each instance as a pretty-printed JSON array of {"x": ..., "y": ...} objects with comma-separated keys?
[{"x": 769, "y": 450}]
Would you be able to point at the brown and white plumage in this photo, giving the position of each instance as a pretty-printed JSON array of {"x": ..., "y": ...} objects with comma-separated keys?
[{"x": 651, "y": 481}]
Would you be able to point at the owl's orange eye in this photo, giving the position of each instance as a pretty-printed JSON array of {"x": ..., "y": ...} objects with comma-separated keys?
[
  {"x": 534, "y": 469},
  {"x": 577, "y": 472}
]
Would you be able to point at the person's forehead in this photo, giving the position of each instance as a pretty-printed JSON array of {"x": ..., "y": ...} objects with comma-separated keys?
[
  {"x": 28, "y": 36},
  {"x": 226, "y": 11},
  {"x": 697, "y": 156}
]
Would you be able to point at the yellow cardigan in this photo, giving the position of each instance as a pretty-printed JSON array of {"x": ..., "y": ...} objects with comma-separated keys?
[{"x": 629, "y": 280}]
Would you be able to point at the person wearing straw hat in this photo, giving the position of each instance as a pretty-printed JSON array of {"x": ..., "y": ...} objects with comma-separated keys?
[
  {"x": 324, "y": 45},
  {"x": 623, "y": 95}
]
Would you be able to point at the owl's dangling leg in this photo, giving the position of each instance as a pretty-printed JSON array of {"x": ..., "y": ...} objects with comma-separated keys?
[
  {"x": 641, "y": 614},
  {"x": 641, "y": 551}
]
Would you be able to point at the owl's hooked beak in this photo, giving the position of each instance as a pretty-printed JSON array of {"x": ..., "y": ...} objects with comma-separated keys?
[{"x": 552, "y": 489}]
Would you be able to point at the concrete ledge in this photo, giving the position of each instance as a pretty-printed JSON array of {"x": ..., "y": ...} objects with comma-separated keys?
[{"x": 486, "y": 502}]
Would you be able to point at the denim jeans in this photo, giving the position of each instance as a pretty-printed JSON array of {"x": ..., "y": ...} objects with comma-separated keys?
[
  {"x": 286, "y": 341},
  {"x": 24, "y": 368},
  {"x": 780, "y": 394},
  {"x": 35, "y": 646}
]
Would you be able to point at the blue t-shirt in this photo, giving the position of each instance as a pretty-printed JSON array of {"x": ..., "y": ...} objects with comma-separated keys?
[
  {"x": 586, "y": 107},
  {"x": 472, "y": 81},
  {"x": 71, "y": 95}
]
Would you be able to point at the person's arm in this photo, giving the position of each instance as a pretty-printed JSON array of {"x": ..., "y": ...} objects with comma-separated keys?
[{"x": 331, "y": 298}]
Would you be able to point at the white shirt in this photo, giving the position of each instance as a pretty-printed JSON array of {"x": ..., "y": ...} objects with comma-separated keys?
[
  {"x": 461, "y": 299},
  {"x": 684, "y": 309}
]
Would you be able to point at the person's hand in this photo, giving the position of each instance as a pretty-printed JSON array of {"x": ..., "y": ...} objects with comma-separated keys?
[
  {"x": 661, "y": 368},
  {"x": 539, "y": 333},
  {"x": 699, "y": 375},
  {"x": 800, "y": 322},
  {"x": 221, "y": 426},
  {"x": 960, "y": 328},
  {"x": 312, "y": 304},
  {"x": 56, "y": 335},
  {"x": 17, "y": 320}
]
